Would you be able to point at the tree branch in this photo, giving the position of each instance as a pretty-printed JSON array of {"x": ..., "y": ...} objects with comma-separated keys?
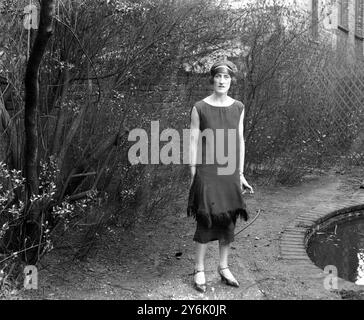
[{"x": 32, "y": 95}]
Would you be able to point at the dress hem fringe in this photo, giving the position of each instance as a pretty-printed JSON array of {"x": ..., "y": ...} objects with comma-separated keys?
[{"x": 221, "y": 219}]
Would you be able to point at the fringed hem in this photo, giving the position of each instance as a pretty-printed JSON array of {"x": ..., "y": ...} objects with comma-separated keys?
[{"x": 222, "y": 219}]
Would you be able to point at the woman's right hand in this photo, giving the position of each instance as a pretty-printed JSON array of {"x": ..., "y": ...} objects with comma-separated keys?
[{"x": 245, "y": 184}]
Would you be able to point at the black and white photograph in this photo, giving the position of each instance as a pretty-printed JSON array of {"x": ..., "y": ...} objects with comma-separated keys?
[{"x": 187, "y": 155}]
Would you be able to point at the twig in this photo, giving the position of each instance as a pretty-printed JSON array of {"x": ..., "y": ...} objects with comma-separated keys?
[
  {"x": 17, "y": 252},
  {"x": 255, "y": 218}
]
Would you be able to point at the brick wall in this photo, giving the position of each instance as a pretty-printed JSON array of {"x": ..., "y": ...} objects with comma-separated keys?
[
  {"x": 339, "y": 28},
  {"x": 186, "y": 86}
]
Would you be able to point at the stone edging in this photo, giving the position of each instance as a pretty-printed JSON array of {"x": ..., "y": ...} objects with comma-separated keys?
[{"x": 295, "y": 237}]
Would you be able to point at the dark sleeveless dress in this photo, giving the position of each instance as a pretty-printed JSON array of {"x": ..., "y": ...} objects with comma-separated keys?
[{"x": 215, "y": 198}]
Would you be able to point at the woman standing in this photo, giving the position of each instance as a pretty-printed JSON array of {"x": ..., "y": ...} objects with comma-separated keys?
[{"x": 215, "y": 198}]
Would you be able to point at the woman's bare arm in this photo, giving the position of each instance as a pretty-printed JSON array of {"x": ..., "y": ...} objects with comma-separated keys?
[
  {"x": 194, "y": 135},
  {"x": 243, "y": 181},
  {"x": 241, "y": 143}
]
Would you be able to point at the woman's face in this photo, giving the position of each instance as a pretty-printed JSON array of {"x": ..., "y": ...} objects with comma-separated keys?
[{"x": 222, "y": 82}]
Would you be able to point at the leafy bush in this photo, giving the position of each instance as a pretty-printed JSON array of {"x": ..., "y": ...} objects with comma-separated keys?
[{"x": 15, "y": 248}]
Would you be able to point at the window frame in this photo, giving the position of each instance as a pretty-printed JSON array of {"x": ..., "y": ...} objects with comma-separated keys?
[
  {"x": 314, "y": 19},
  {"x": 343, "y": 15},
  {"x": 359, "y": 12}
]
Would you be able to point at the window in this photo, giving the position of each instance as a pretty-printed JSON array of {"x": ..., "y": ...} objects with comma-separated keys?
[
  {"x": 359, "y": 18},
  {"x": 359, "y": 29},
  {"x": 314, "y": 21},
  {"x": 359, "y": 48},
  {"x": 343, "y": 8}
]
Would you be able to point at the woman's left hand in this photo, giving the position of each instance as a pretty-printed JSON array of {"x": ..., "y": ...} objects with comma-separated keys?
[{"x": 245, "y": 184}]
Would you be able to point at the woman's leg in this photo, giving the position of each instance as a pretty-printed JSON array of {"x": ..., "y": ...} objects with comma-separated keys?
[
  {"x": 201, "y": 249},
  {"x": 223, "y": 265},
  {"x": 224, "y": 254}
]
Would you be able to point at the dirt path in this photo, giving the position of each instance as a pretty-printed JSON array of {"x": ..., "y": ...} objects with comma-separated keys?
[{"x": 142, "y": 264}]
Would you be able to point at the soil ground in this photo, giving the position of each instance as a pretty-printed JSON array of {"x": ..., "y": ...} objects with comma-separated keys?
[{"x": 154, "y": 260}]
